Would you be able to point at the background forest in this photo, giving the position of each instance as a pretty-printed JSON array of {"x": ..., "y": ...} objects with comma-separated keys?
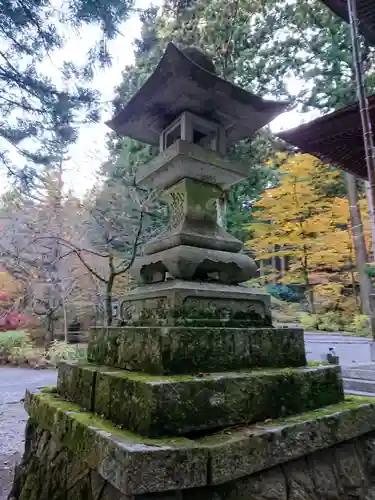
[{"x": 306, "y": 224}]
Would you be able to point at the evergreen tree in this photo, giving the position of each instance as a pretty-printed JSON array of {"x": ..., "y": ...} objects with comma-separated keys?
[
  {"x": 36, "y": 114},
  {"x": 261, "y": 46}
]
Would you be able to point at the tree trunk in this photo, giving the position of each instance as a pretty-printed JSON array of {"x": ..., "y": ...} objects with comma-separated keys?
[
  {"x": 50, "y": 329},
  {"x": 309, "y": 287},
  {"x": 371, "y": 212},
  {"x": 108, "y": 301},
  {"x": 359, "y": 243},
  {"x": 65, "y": 321}
]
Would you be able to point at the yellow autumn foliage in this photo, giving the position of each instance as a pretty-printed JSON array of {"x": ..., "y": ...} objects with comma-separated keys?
[{"x": 296, "y": 219}]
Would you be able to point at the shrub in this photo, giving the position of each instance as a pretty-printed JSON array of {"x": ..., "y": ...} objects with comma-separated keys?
[
  {"x": 360, "y": 324},
  {"x": 308, "y": 321},
  {"x": 27, "y": 354},
  {"x": 59, "y": 351},
  {"x": 330, "y": 321},
  {"x": 13, "y": 320},
  {"x": 17, "y": 348},
  {"x": 283, "y": 292}
]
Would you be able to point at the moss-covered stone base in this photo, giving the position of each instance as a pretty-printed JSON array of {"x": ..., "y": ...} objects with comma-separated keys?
[
  {"x": 180, "y": 350},
  {"x": 135, "y": 465},
  {"x": 342, "y": 467},
  {"x": 178, "y": 405},
  {"x": 197, "y": 303}
]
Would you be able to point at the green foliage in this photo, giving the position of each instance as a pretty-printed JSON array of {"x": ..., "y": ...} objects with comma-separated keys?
[
  {"x": 308, "y": 321},
  {"x": 283, "y": 292},
  {"x": 9, "y": 341},
  {"x": 38, "y": 116},
  {"x": 60, "y": 351},
  {"x": 370, "y": 270},
  {"x": 331, "y": 321},
  {"x": 335, "y": 321},
  {"x": 12, "y": 336},
  {"x": 360, "y": 325},
  {"x": 17, "y": 348}
]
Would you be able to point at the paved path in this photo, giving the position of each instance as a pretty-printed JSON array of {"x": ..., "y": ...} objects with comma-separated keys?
[
  {"x": 13, "y": 382},
  {"x": 349, "y": 349}
]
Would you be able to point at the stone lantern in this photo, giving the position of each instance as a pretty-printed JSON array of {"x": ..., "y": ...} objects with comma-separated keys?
[
  {"x": 198, "y": 396},
  {"x": 194, "y": 116}
]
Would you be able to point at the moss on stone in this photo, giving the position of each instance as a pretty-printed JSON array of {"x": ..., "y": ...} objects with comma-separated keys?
[
  {"x": 231, "y": 454},
  {"x": 189, "y": 350},
  {"x": 313, "y": 420},
  {"x": 176, "y": 405},
  {"x": 349, "y": 403},
  {"x": 196, "y": 317},
  {"x": 49, "y": 401}
]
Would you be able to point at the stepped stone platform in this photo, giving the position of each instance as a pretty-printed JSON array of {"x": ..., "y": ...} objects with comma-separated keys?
[
  {"x": 75, "y": 454},
  {"x": 198, "y": 396},
  {"x": 178, "y": 405},
  {"x": 184, "y": 350},
  {"x": 359, "y": 379}
]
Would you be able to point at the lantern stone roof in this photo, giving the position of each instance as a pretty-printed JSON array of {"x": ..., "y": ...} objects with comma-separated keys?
[
  {"x": 335, "y": 138},
  {"x": 366, "y": 15},
  {"x": 180, "y": 84}
]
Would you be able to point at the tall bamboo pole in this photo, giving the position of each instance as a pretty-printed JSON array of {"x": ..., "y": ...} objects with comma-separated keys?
[{"x": 368, "y": 140}]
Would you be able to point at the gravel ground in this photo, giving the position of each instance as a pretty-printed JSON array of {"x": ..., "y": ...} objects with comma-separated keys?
[{"x": 13, "y": 382}]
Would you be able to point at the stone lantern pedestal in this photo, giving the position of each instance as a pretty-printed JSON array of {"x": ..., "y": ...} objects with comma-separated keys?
[{"x": 198, "y": 396}]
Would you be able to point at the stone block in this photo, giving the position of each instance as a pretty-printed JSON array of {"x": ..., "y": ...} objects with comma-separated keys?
[
  {"x": 176, "y": 302},
  {"x": 324, "y": 475},
  {"x": 192, "y": 350},
  {"x": 350, "y": 468},
  {"x": 194, "y": 263},
  {"x": 76, "y": 384},
  {"x": 185, "y": 160},
  {"x": 159, "y": 406},
  {"x": 130, "y": 463},
  {"x": 300, "y": 479},
  {"x": 254, "y": 448},
  {"x": 225, "y": 466},
  {"x": 193, "y": 219}
]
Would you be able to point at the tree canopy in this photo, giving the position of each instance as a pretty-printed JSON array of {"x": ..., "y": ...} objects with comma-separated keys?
[
  {"x": 294, "y": 50},
  {"x": 298, "y": 221},
  {"x": 38, "y": 116}
]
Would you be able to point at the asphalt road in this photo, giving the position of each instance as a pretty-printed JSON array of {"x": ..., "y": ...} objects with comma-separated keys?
[
  {"x": 349, "y": 349},
  {"x": 14, "y": 381}
]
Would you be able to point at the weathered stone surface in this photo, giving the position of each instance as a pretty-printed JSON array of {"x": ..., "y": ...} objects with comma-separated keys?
[
  {"x": 299, "y": 481},
  {"x": 341, "y": 467},
  {"x": 166, "y": 464},
  {"x": 130, "y": 463},
  {"x": 193, "y": 263},
  {"x": 178, "y": 302},
  {"x": 323, "y": 473},
  {"x": 269, "y": 485},
  {"x": 157, "y": 406},
  {"x": 260, "y": 447},
  {"x": 188, "y": 350},
  {"x": 77, "y": 384},
  {"x": 193, "y": 219},
  {"x": 185, "y": 160},
  {"x": 349, "y": 460}
]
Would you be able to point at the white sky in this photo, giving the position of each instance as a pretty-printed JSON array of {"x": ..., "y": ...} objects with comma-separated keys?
[{"x": 90, "y": 151}]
